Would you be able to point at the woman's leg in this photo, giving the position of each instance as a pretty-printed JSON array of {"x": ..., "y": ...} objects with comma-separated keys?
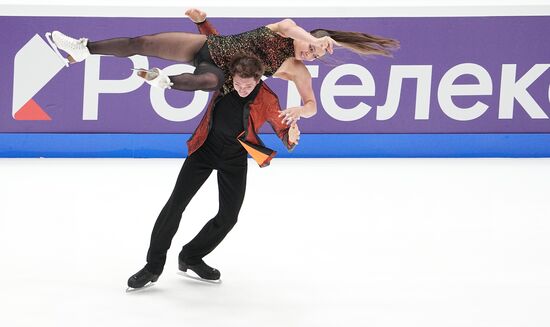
[
  {"x": 176, "y": 46},
  {"x": 207, "y": 77}
]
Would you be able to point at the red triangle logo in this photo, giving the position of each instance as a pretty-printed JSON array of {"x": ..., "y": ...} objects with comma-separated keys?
[{"x": 31, "y": 111}]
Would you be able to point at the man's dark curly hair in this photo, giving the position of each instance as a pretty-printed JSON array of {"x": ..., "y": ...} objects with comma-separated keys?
[{"x": 246, "y": 66}]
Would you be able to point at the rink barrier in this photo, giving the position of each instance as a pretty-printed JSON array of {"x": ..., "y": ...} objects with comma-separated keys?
[
  {"x": 444, "y": 94},
  {"x": 311, "y": 145}
]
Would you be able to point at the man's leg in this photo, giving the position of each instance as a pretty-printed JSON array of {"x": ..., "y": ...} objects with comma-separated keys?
[
  {"x": 193, "y": 174},
  {"x": 231, "y": 187}
]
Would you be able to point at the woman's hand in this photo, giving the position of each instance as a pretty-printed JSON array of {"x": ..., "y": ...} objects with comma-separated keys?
[
  {"x": 291, "y": 115},
  {"x": 293, "y": 134},
  {"x": 196, "y": 15},
  {"x": 326, "y": 43}
]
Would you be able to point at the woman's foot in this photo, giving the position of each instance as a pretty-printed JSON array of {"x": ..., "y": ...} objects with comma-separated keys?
[
  {"x": 155, "y": 76},
  {"x": 76, "y": 49}
]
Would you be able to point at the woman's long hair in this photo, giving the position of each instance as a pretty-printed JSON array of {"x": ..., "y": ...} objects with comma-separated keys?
[{"x": 361, "y": 43}]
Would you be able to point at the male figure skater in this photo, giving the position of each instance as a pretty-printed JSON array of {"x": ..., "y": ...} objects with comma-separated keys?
[{"x": 226, "y": 132}]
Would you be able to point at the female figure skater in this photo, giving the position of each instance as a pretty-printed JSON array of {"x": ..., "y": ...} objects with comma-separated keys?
[{"x": 282, "y": 47}]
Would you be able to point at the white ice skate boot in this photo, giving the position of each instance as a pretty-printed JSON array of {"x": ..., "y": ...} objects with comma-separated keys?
[
  {"x": 155, "y": 76},
  {"x": 76, "y": 49}
]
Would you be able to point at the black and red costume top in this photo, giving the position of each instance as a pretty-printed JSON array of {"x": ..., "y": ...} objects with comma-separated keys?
[{"x": 271, "y": 48}]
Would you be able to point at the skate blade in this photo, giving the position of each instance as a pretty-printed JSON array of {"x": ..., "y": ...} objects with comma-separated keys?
[
  {"x": 56, "y": 50},
  {"x": 147, "y": 74},
  {"x": 71, "y": 60},
  {"x": 133, "y": 290},
  {"x": 196, "y": 277}
]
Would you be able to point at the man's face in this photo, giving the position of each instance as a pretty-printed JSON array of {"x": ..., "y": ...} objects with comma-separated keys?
[{"x": 244, "y": 86}]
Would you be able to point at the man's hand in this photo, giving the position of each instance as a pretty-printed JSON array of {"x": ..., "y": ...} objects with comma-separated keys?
[
  {"x": 196, "y": 15},
  {"x": 294, "y": 134}
]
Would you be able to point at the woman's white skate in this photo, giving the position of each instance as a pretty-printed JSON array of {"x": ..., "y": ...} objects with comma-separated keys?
[
  {"x": 154, "y": 76},
  {"x": 77, "y": 50}
]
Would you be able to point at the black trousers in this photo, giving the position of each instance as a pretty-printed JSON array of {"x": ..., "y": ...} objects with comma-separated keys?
[{"x": 231, "y": 164}]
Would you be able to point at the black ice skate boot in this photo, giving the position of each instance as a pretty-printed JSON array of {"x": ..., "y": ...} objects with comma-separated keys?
[
  {"x": 203, "y": 270},
  {"x": 141, "y": 278}
]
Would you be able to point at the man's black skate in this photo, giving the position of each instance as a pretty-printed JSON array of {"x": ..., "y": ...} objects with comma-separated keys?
[
  {"x": 141, "y": 278},
  {"x": 203, "y": 270}
]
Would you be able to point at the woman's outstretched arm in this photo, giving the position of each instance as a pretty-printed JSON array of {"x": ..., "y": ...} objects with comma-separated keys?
[
  {"x": 294, "y": 70},
  {"x": 288, "y": 28}
]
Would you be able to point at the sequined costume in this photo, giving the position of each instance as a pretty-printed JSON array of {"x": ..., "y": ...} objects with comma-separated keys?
[{"x": 271, "y": 48}]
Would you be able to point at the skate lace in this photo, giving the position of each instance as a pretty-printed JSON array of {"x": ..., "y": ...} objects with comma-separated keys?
[{"x": 67, "y": 43}]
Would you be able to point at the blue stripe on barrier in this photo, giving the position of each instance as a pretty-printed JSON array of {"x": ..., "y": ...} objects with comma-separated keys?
[{"x": 311, "y": 145}]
